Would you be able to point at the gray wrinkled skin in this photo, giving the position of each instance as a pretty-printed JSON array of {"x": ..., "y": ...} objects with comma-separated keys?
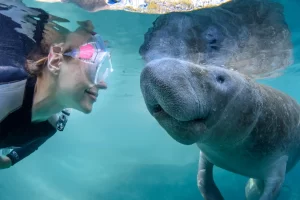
[
  {"x": 239, "y": 125},
  {"x": 197, "y": 83},
  {"x": 250, "y": 36}
]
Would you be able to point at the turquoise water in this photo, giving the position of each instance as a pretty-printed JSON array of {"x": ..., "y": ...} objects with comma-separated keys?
[{"x": 119, "y": 152}]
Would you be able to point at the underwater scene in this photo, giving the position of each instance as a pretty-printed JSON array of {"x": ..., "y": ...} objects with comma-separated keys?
[{"x": 125, "y": 149}]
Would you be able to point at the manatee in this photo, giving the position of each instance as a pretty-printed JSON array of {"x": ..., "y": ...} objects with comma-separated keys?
[
  {"x": 199, "y": 83},
  {"x": 238, "y": 124},
  {"x": 249, "y": 36}
]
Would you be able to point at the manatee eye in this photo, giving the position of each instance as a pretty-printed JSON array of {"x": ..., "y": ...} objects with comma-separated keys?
[
  {"x": 220, "y": 79},
  {"x": 214, "y": 41}
]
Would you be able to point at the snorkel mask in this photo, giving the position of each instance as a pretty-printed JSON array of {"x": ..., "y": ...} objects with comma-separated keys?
[{"x": 94, "y": 53}]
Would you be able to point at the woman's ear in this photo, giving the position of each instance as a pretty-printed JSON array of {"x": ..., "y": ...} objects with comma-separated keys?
[{"x": 55, "y": 59}]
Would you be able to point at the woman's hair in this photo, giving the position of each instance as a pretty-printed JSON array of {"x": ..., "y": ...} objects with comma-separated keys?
[
  {"x": 38, "y": 58},
  {"x": 35, "y": 68},
  {"x": 52, "y": 34}
]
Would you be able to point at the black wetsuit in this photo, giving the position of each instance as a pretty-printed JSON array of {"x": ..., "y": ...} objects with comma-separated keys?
[{"x": 16, "y": 85}]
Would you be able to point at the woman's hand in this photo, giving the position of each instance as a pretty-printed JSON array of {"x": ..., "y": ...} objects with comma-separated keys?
[{"x": 5, "y": 162}]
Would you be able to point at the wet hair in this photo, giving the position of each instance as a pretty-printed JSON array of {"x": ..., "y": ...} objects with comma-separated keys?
[
  {"x": 35, "y": 68},
  {"x": 52, "y": 34},
  {"x": 37, "y": 61},
  {"x": 38, "y": 57}
]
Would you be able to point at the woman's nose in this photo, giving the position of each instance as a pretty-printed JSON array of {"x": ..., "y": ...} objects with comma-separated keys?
[{"x": 101, "y": 85}]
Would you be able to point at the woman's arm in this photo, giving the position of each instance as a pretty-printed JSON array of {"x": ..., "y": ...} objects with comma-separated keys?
[{"x": 18, "y": 154}]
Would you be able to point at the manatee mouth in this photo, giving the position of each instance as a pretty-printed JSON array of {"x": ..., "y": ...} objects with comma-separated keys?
[
  {"x": 156, "y": 109},
  {"x": 157, "y": 112},
  {"x": 167, "y": 87},
  {"x": 186, "y": 132}
]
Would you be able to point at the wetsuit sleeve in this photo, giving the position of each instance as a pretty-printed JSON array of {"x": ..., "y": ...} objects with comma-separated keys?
[
  {"x": 43, "y": 131},
  {"x": 18, "y": 154}
]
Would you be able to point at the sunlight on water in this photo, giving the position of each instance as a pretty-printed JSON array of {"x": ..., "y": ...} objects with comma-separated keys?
[{"x": 119, "y": 152}]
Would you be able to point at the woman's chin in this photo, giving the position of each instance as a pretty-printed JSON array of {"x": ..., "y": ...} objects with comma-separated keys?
[
  {"x": 84, "y": 107},
  {"x": 87, "y": 108}
]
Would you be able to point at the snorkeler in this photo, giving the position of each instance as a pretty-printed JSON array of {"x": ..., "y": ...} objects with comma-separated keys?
[
  {"x": 142, "y": 6},
  {"x": 44, "y": 70}
]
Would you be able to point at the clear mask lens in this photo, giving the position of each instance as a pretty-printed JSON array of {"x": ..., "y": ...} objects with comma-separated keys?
[
  {"x": 104, "y": 69},
  {"x": 94, "y": 53}
]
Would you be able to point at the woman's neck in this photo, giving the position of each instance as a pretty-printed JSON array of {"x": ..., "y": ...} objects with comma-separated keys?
[{"x": 45, "y": 103}]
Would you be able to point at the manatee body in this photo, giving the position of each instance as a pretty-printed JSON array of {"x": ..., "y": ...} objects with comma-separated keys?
[
  {"x": 239, "y": 125},
  {"x": 250, "y": 36},
  {"x": 193, "y": 84}
]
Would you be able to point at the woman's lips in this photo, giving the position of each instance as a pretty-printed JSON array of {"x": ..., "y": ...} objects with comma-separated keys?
[{"x": 92, "y": 94}]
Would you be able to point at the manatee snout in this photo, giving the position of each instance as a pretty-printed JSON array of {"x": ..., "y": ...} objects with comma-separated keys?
[
  {"x": 186, "y": 99},
  {"x": 172, "y": 86},
  {"x": 166, "y": 86}
]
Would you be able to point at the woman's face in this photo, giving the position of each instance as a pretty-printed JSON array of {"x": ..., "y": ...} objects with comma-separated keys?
[{"x": 76, "y": 86}]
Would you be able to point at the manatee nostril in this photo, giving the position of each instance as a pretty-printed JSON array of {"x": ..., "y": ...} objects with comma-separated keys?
[{"x": 157, "y": 108}]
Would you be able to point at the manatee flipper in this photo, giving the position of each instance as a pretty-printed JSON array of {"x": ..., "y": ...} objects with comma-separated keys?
[
  {"x": 273, "y": 183},
  {"x": 205, "y": 181},
  {"x": 269, "y": 188},
  {"x": 254, "y": 189}
]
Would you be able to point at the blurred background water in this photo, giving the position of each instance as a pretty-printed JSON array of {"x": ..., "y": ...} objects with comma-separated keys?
[{"x": 119, "y": 152}]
